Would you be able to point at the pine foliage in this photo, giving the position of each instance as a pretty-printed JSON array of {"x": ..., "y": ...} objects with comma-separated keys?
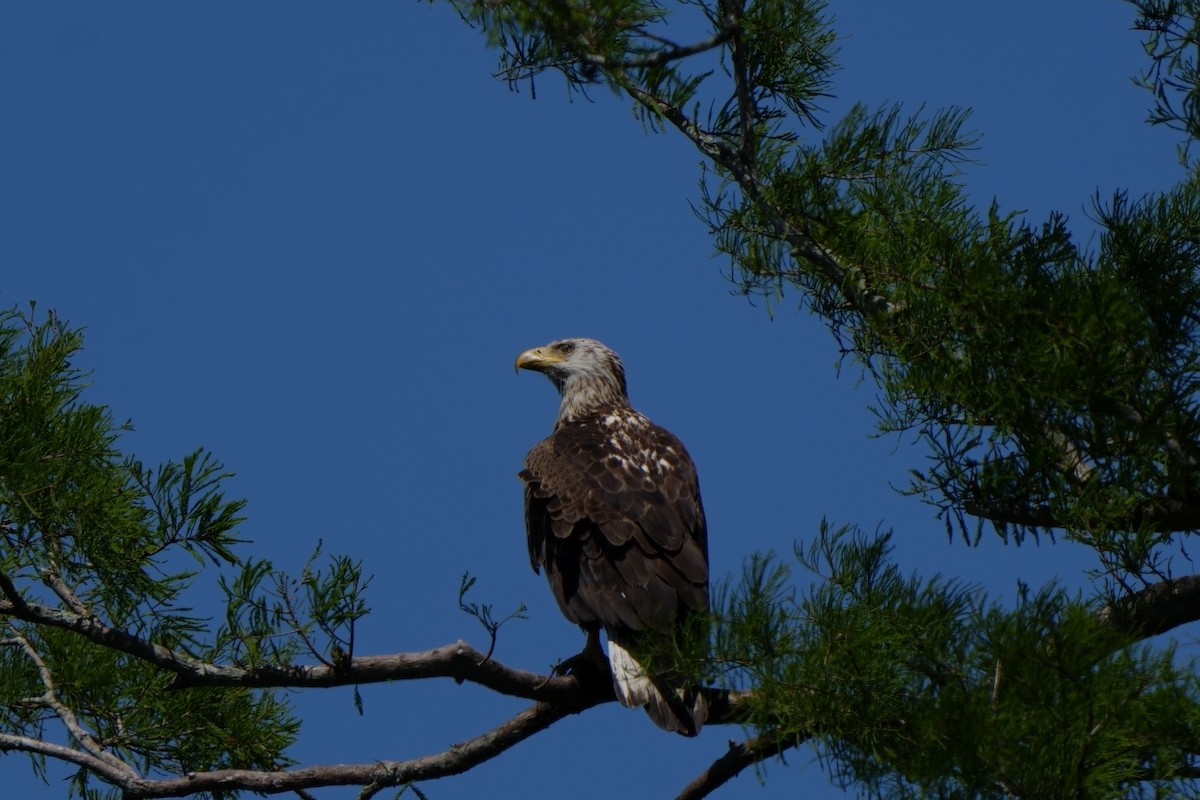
[
  {"x": 1052, "y": 384},
  {"x": 98, "y": 555}
]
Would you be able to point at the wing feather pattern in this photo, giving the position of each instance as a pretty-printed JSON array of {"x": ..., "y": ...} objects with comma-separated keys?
[{"x": 614, "y": 516}]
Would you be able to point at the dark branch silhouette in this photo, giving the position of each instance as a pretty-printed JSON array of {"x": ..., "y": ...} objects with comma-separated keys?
[
  {"x": 378, "y": 775},
  {"x": 739, "y": 756},
  {"x": 1156, "y": 609},
  {"x": 558, "y": 697},
  {"x": 1159, "y": 513}
]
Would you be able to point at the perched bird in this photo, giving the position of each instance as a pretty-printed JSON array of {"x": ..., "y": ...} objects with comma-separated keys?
[{"x": 613, "y": 515}]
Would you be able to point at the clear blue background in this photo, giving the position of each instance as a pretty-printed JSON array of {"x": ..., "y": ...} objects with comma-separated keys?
[{"x": 312, "y": 237}]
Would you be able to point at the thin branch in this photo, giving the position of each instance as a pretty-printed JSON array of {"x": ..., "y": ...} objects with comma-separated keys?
[
  {"x": 660, "y": 57},
  {"x": 26, "y": 744},
  {"x": 712, "y": 146},
  {"x": 289, "y": 610},
  {"x": 849, "y": 279},
  {"x": 95, "y": 630},
  {"x": 739, "y": 756},
  {"x": 52, "y": 578},
  {"x": 51, "y": 700},
  {"x": 747, "y": 108}
]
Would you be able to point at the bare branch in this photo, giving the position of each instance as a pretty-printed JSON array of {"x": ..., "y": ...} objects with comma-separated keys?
[
  {"x": 102, "y": 768},
  {"x": 458, "y": 660},
  {"x": 373, "y": 777},
  {"x": 739, "y": 756},
  {"x": 53, "y": 579},
  {"x": 1156, "y": 609},
  {"x": 382, "y": 774}
]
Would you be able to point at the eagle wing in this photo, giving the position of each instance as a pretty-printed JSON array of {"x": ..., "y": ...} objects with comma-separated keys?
[{"x": 613, "y": 514}]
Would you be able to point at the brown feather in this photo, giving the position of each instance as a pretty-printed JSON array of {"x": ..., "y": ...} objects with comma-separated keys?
[
  {"x": 581, "y": 507},
  {"x": 614, "y": 517}
]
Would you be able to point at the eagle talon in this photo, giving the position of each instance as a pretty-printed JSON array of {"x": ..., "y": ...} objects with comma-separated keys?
[
  {"x": 579, "y": 665},
  {"x": 582, "y": 664},
  {"x": 587, "y": 662}
]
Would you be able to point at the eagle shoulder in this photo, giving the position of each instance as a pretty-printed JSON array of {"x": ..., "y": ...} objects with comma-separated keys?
[{"x": 619, "y": 495}]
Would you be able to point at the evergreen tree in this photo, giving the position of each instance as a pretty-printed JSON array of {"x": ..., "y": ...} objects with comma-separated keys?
[{"x": 1051, "y": 383}]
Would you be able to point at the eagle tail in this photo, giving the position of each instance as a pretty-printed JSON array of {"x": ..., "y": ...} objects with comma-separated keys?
[{"x": 677, "y": 709}]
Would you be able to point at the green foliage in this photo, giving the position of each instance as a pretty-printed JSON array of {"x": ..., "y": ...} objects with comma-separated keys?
[
  {"x": 914, "y": 687},
  {"x": 1054, "y": 386},
  {"x": 272, "y": 618},
  {"x": 608, "y": 29},
  {"x": 482, "y": 612},
  {"x": 1173, "y": 31},
  {"x": 91, "y": 579}
]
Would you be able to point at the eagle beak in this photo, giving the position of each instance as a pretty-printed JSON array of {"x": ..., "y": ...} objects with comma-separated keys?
[{"x": 537, "y": 359}]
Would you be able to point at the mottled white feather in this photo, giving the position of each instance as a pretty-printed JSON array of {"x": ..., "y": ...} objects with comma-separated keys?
[{"x": 630, "y": 683}]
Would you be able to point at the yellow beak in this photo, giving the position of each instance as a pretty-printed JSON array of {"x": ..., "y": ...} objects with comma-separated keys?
[{"x": 537, "y": 359}]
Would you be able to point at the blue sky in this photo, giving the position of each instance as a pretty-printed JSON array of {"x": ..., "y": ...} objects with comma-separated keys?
[{"x": 313, "y": 237}]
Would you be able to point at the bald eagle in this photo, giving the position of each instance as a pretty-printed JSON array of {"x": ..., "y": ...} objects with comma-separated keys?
[{"x": 613, "y": 515}]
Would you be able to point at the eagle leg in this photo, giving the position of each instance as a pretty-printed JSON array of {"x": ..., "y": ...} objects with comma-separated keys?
[{"x": 590, "y": 660}]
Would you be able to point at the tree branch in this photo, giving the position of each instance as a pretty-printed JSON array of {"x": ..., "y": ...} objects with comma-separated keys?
[
  {"x": 739, "y": 756},
  {"x": 26, "y": 744},
  {"x": 747, "y": 110},
  {"x": 849, "y": 279},
  {"x": 458, "y": 660},
  {"x": 95, "y": 630},
  {"x": 1156, "y": 609},
  {"x": 660, "y": 57},
  {"x": 1156, "y": 513},
  {"x": 372, "y": 777},
  {"x": 382, "y": 774},
  {"x": 557, "y": 698},
  {"x": 66, "y": 716}
]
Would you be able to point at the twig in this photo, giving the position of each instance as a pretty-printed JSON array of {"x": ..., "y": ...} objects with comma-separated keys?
[
  {"x": 660, "y": 57},
  {"x": 52, "y": 579}
]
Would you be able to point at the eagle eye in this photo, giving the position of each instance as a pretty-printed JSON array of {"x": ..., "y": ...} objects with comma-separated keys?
[{"x": 566, "y": 348}]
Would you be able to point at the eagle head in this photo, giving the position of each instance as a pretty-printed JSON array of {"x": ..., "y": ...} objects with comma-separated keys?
[{"x": 588, "y": 375}]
